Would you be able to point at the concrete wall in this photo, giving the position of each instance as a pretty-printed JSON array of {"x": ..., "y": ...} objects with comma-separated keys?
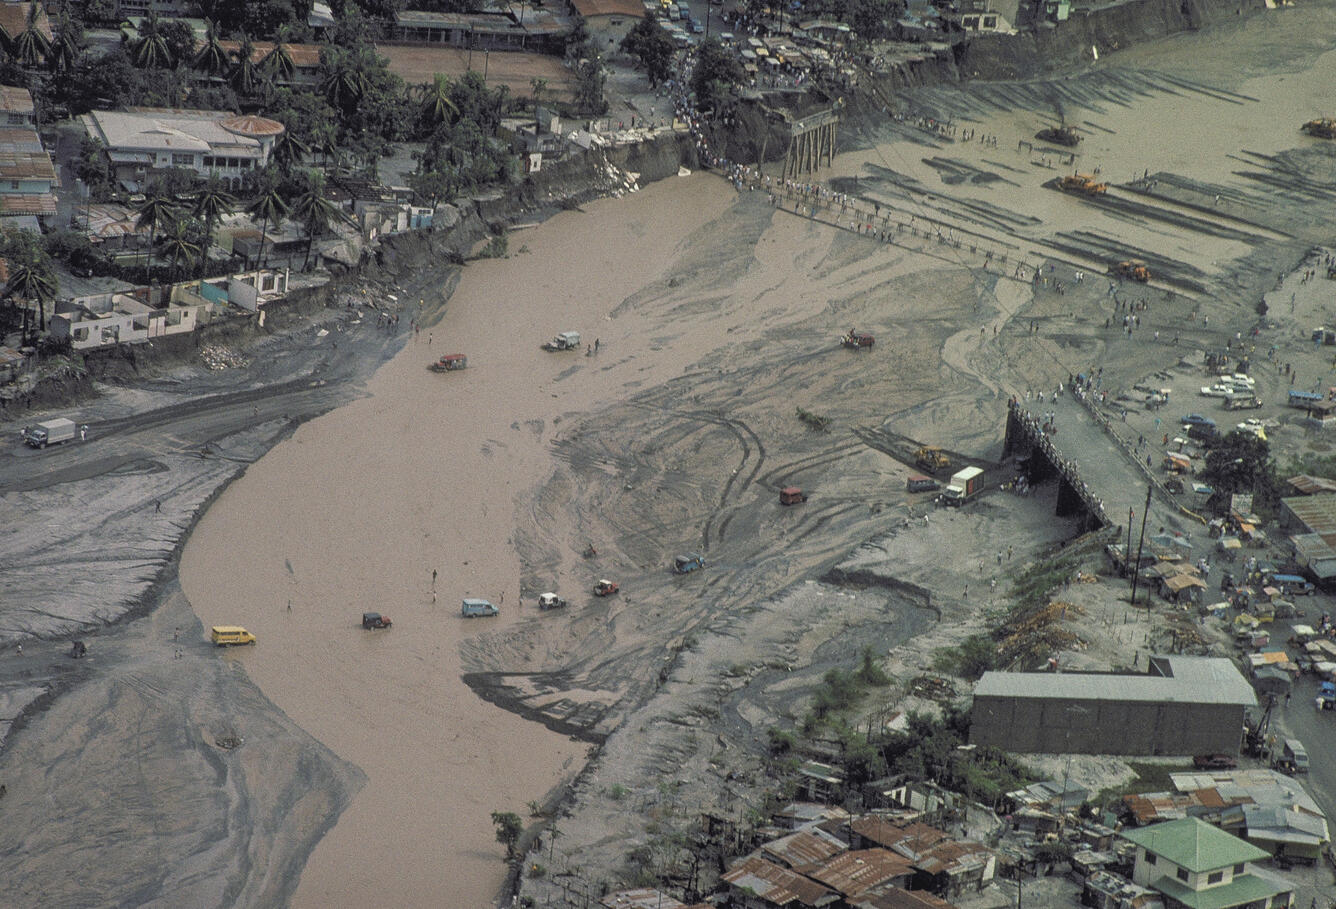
[{"x": 1059, "y": 725}]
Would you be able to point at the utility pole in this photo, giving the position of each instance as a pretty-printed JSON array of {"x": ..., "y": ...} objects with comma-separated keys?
[
  {"x": 1141, "y": 542},
  {"x": 1127, "y": 553}
]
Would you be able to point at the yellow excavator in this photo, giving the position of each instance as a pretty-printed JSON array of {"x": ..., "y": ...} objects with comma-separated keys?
[
  {"x": 931, "y": 458},
  {"x": 1082, "y": 184}
]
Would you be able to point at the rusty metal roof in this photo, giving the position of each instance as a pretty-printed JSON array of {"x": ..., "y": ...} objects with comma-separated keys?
[
  {"x": 777, "y": 885},
  {"x": 857, "y": 872},
  {"x": 805, "y": 847},
  {"x": 15, "y": 99}
]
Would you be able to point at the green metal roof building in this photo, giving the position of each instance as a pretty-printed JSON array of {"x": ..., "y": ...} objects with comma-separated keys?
[{"x": 1197, "y": 866}]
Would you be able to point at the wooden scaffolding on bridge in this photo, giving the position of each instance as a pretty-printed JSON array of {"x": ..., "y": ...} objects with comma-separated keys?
[{"x": 811, "y": 142}]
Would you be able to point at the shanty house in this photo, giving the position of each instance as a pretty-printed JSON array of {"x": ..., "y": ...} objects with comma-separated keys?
[
  {"x": 1196, "y": 866},
  {"x": 754, "y": 883},
  {"x": 851, "y": 874}
]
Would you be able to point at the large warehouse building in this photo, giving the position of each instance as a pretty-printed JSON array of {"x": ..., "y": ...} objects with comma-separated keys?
[{"x": 1181, "y": 705}]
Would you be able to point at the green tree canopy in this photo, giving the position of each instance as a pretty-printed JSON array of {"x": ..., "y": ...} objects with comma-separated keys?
[
  {"x": 717, "y": 73},
  {"x": 652, "y": 47}
]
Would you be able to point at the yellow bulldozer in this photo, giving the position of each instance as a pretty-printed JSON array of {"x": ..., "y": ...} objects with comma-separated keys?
[
  {"x": 1324, "y": 128},
  {"x": 1082, "y": 184},
  {"x": 1133, "y": 269},
  {"x": 932, "y": 459}
]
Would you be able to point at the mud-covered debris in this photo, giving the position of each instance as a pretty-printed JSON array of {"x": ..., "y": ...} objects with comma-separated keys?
[
  {"x": 216, "y": 356},
  {"x": 932, "y": 688},
  {"x": 229, "y": 741}
]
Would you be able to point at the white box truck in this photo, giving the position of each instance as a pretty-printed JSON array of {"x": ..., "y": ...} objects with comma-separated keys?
[
  {"x": 964, "y": 485},
  {"x": 52, "y": 432}
]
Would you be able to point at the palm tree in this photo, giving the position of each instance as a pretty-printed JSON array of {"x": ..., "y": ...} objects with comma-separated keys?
[
  {"x": 153, "y": 212},
  {"x": 68, "y": 44},
  {"x": 244, "y": 76},
  {"x": 28, "y": 282},
  {"x": 31, "y": 45},
  {"x": 345, "y": 80},
  {"x": 212, "y": 59},
  {"x": 288, "y": 151},
  {"x": 151, "y": 50},
  {"x": 327, "y": 144},
  {"x": 437, "y": 105},
  {"x": 211, "y": 204},
  {"x": 180, "y": 242},
  {"x": 314, "y": 211},
  {"x": 278, "y": 66},
  {"x": 539, "y": 86},
  {"x": 268, "y": 206}
]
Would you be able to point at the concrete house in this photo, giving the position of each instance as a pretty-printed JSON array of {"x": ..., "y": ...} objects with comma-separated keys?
[
  {"x": 1193, "y": 865},
  {"x": 145, "y": 140}
]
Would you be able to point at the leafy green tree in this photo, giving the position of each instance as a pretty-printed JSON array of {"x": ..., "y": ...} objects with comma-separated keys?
[
  {"x": 479, "y": 104},
  {"x": 589, "y": 82},
  {"x": 271, "y": 208},
  {"x": 509, "y": 828},
  {"x": 652, "y": 47},
  {"x": 717, "y": 73},
  {"x": 180, "y": 39},
  {"x": 458, "y": 157},
  {"x": 1241, "y": 462},
  {"x": 303, "y": 113}
]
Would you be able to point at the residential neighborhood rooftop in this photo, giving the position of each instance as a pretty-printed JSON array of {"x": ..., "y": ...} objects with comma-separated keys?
[{"x": 1195, "y": 845}]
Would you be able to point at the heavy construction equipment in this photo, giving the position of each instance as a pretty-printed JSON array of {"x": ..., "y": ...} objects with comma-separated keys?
[
  {"x": 1255, "y": 731},
  {"x": 1134, "y": 269},
  {"x": 932, "y": 459},
  {"x": 1323, "y": 128},
  {"x": 1061, "y": 135},
  {"x": 1082, "y": 184}
]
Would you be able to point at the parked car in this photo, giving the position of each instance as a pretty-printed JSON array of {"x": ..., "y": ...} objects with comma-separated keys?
[
  {"x": 1196, "y": 419},
  {"x": 1214, "y": 762},
  {"x": 1217, "y": 391}
]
